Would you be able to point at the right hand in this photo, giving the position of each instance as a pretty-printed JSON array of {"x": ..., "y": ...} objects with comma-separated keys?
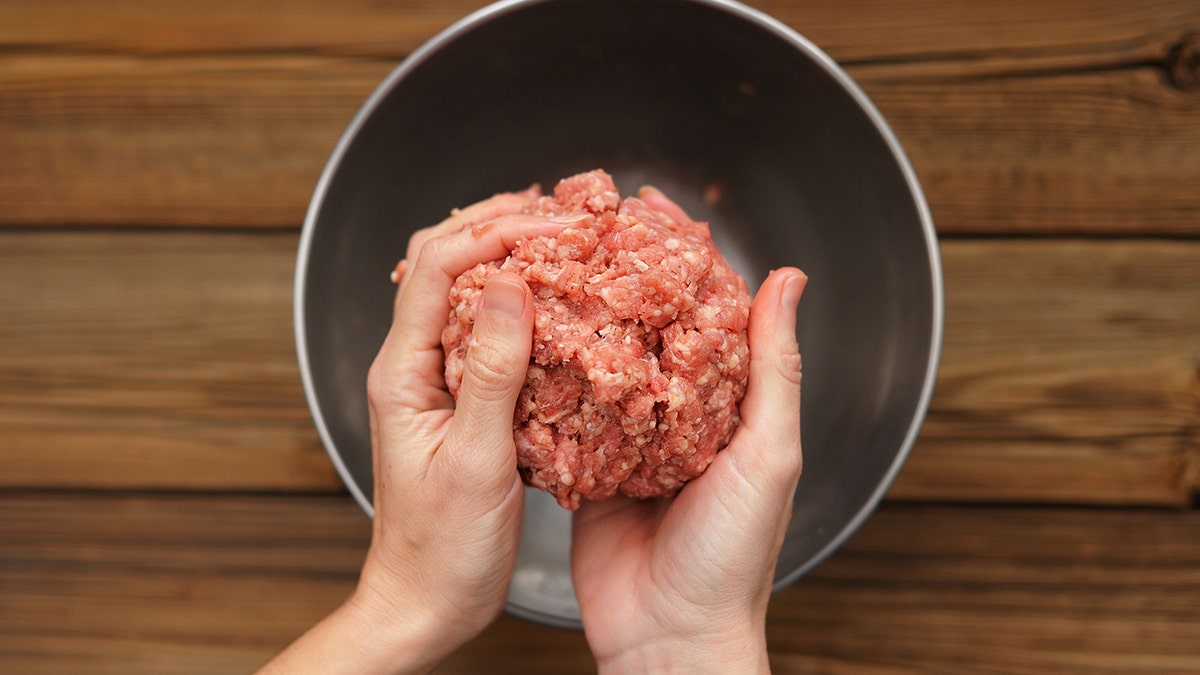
[{"x": 682, "y": 585}]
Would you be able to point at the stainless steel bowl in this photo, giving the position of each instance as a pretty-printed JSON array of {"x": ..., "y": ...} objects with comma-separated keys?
[{"x": 746, "y": 123}]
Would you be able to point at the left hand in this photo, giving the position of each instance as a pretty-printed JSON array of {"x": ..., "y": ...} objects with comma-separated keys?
[{"x": 448, "y": 497}]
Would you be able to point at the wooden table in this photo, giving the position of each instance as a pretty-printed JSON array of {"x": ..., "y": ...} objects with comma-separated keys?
[{"x": 166, "y": 505}]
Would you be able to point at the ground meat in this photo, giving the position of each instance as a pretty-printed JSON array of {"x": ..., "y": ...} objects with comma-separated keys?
[{"x": 639, "y": 354}]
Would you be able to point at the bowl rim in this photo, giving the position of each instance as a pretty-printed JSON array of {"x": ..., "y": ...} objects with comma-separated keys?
[{"x": 739, "y": 11}]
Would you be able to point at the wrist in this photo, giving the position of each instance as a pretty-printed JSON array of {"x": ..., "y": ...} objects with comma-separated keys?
[
  {"x": 399, "y": 632},
  {"x": 700, "y": 654},
  {"x": 392, "y": 637}
]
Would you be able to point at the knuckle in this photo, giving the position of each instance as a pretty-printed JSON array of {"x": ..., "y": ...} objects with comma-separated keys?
[
  {"x": 389, "y": 386},
  {"x": 791, "y": 464},
  {"x": 419, "y": 244},
  {"x": 428, "y": 251},
  {"x": 382, "y": 383},
  {"x": 785, "y": 466},
  {"x": 428, "y": 260},
  {"x": 418, "y": 240},
  {"x": 376, "y": 381},
  {"x": 491, "y": 365},
  {"x": 789, "y": 364}
]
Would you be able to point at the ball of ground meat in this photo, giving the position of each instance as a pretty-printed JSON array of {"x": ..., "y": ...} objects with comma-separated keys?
[{"x": 640, "y": 357}]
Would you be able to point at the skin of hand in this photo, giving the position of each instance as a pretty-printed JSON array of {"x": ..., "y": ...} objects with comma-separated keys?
[
  {"x": 682, "y": 585},
  {"x": 448, "y": 497},
  {"x": 662, "y": 588}
]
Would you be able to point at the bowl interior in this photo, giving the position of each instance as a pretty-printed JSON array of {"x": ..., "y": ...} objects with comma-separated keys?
[{"x": 741, "y": 121}]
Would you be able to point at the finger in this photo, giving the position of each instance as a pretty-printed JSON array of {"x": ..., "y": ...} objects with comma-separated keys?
[
  {"x": 421, "y": 305},
  {"x": 656, "y": 200},
  {"x": 400, "y": 270},
  {"x": 480, "y": 212},
  {"x": 480, "y": 438},
  {"x": 407, "y": 374},
  {"x": 491, "y": 208},
  {"x": 771, "y": 407}
]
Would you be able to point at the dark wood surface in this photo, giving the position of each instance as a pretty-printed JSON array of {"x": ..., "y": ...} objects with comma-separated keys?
[{"x": 165, "y": 503}]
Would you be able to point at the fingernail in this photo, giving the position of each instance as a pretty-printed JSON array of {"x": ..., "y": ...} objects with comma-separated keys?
[
  {"x": 648, "y": 189},
  {"x": 793, "y": 288},
  {"x": 504, "y": 297}
]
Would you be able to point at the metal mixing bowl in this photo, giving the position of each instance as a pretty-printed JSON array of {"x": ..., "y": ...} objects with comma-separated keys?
[{"x": 741, "y": 120}]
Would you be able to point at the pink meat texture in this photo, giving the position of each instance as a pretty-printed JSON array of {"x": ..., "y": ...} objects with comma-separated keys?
[{"x": 640, "y": 357}]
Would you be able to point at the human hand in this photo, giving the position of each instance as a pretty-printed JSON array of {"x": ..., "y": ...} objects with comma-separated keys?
[
  {"x": 448, "y": 496},
  {"x": 682, "y": 585}
]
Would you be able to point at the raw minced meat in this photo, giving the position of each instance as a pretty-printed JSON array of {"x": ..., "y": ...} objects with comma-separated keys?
[{"x": 640, "y": 356}]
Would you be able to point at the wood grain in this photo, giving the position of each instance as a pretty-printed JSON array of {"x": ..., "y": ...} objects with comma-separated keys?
[
  {"x": 860, "y": 30},
  {"x": 212, "y": 140},
  {"x": 999, "y": 590},
  {"x": 152, "y": 361},
  {"x": 165, "y": 360},
  {"x": 1071, "y": 370},
  {"x": 165, "y": 502},
  {"x": 168, "y": 585},
  {"x": 1107, "y": 152},
  {"x": 191, "y": 584},
  {"x": 151, "y": 115}
]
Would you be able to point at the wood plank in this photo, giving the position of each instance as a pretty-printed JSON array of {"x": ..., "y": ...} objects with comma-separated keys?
[
  {"x": 205, "y": 583},
  {"x": 165, "y": 360},
  {"x": 1111, "y": 151},
  {"x": 999, "y": 590},
  {"x": 239, "y": 138},
  {"x": 1070, "y": 372},
  {"x": 153, "y": 361},
  {"x": 852, "y": 31},
  {"x": 129, "y": 151},
  {"x": 212, "y": 140},
  {"x": 355, "y": 27},
  {"x": 199, "y": 584}
]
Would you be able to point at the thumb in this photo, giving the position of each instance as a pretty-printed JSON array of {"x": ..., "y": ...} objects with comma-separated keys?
[
  {"x": 494, "y": 371},
  {"x": 771, "y": 408}
]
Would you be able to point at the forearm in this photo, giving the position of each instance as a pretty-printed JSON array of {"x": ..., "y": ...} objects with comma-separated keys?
[{"x": 358, "y": 638}]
